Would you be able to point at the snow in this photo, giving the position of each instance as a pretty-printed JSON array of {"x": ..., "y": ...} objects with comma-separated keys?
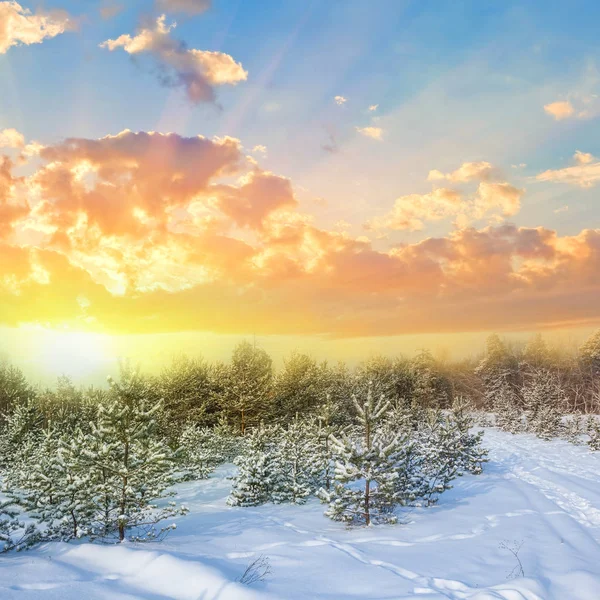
[{"x": 543, "y": 494}]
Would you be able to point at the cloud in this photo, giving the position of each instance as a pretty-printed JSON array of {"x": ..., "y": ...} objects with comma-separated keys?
[
  {"x": 373, "y": 107},
  {"x": 190, "y": 7},
  {"x": 197, "y": 71},
  {"x": 11, "y": 138},
  {"x": 562, "y": 209},
  {"x": 580, "y": 106},
  {"x": 20, "y": 26},
  {"x": 584, "y": 174},
  {"x": 583, "y": 158},
  {"x": 491, "y": 199},
  {"x": 340, "y": 100},
  {"x": 560, "y": 110},
  {"x": 259, "y": 149},
  {"x": 410, "y": 212},
  {"x": 502, "y": 196},
  {"x": 468, "y": 171},
  {"x": 375, "y": 133},
  {"x": 160, "y": 232}
]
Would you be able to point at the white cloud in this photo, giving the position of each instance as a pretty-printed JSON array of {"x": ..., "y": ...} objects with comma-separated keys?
[
  {"x": 375, "y": 133},
  {"x": 340, "y": 100},
  {"x": 373, "y": 107},
  {"x": 583, "y": 158},
  {"x": 468, "y": 171},
  {"x": 20, "y": 26},
  {"x": 259, "y": 148},
  {"x": 11, "y": 138},
  {"x": 582, "y": 175},
  {"x": 198, "y": 71}
]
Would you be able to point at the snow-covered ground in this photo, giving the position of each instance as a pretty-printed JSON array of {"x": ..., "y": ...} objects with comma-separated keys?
[{"x": 542, "y": 495}]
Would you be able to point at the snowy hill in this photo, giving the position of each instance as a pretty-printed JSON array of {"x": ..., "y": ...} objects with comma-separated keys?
[{"x": 543, "y": 496}]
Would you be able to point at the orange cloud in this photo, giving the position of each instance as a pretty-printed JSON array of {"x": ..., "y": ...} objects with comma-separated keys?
[
  {"x": 560, "y": 110},
  {"x": 197, "y": 71},
  {"x": 468, "y": 171},
  {"x": 20, "y": 26},
  {"x": 160, "y": 232}
]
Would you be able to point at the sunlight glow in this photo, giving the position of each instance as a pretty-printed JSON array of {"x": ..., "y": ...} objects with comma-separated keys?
[{"x": 76, "y": 354}]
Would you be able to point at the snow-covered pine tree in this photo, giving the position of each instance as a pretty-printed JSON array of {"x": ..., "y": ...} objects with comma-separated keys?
[
  {"x": 227, "y": 442},
  {"x": 542, "y": 399},
  {"x": 299, "y": 462},
  {"x": 441, "y": 458},
  {"x": 508, "y": 414},
  {"x": 57, "y": 489},
  {"x": 22, "y": 425},
  {"x": 199, "y": 454},
  {"x": 133, "y": 468},
  {"x": 254, "y": 481},
  {"x": 325, "y": 428},
  {"x": 471, "y": 455},
  {"x": 14, "y": 535},
  {"x": 593, "y": 430},
  {"x": 573, "y": 428},
  {"x": 364, "y": 489}
]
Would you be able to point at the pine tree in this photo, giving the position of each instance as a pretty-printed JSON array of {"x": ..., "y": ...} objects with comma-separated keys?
[
  {"x": 573, "y": 428},
  {"x": 199, "y": 454},
  {"x": 441, "y": 457},
  {"x": 299, "y": 463},
  {"x": 57, "y": 489},
  {"x": 593, "y": 430},
  {"x": 133, "y": 468},
  {"x": 255, "y": 479},
  {"x": 542, "y": 397},
  {"x": 14, "y": 535},
  {"x": 508, "y": 414},
  {"x": 22, "y": 425},
  {"x": 471, "y": 455},
  {"x": 498, "y": 371},
  {"x": 364, "y": 489},
  {"x": 248, "y": 380}
]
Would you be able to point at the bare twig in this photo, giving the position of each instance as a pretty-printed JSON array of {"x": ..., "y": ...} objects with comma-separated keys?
[
  {"x": 514, "y": 549},
  {"x": 258, "y": 570}
]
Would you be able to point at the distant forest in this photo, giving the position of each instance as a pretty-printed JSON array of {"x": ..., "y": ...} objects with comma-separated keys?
[{"x": 248, "y": 389}]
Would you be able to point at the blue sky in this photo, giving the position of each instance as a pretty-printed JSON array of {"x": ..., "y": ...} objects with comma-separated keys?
[{"x": 454, "y": 81}]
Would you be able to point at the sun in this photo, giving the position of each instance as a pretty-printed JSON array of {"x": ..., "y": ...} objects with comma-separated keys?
[{"x": 76, "y": 354}]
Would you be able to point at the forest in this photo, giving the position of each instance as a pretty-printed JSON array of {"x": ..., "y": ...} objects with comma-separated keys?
[{"x": 391, "y": 432}]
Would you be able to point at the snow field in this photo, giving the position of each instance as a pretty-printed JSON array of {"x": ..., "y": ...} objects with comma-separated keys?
[{"x": 545, "y": 495}]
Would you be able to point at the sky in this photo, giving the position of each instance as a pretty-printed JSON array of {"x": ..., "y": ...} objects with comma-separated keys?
[{"x": 338, "y": 177}]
